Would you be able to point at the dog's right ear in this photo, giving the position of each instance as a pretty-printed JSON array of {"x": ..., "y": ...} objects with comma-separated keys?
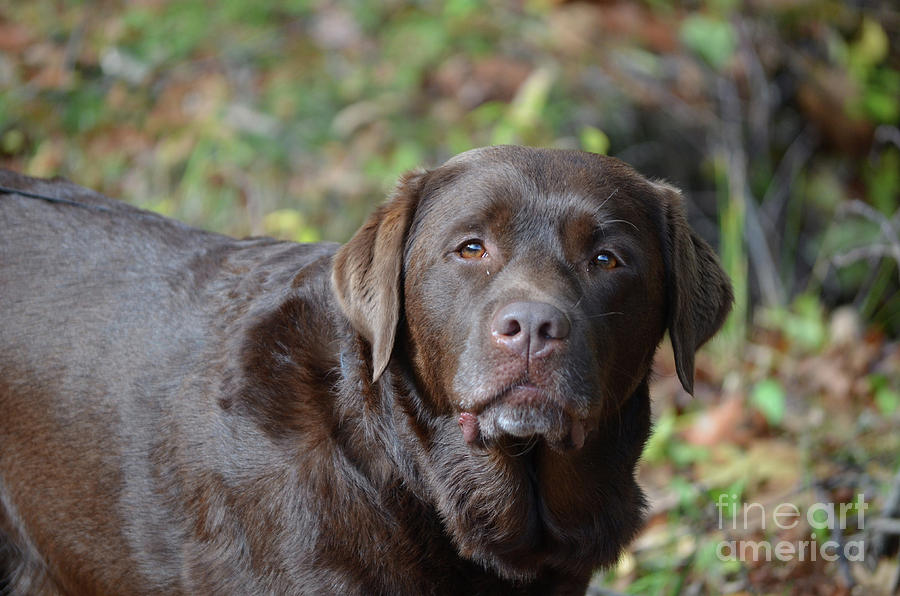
[{"x": 367, "y": 270}]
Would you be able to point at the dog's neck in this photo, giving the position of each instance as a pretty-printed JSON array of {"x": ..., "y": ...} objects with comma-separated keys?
[{"x": 497, "y": 505}]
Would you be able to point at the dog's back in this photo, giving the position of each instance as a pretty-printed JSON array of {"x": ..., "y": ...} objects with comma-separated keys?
[{"x": 110, "y": 316}]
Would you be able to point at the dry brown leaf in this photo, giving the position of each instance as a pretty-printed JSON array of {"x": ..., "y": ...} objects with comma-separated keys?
[{"x": 718, "y": 424}]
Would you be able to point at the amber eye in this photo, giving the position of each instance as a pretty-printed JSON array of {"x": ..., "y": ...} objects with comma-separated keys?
[
  {"x": 606, "y": 260},
  {"x": 472, "y": 249}
]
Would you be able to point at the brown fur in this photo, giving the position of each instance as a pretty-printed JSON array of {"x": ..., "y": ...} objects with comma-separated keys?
[{"x": 186, "y": 413}]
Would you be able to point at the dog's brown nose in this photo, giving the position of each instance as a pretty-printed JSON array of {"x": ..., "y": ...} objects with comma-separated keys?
[{"x": 531, "y": 329}]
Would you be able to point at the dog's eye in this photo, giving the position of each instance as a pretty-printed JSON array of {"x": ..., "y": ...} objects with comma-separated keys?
[
  {"x": 472, "y": 249},
  {"x": 606, "y": 260}
]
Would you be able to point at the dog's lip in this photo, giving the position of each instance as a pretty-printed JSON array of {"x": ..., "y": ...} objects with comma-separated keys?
[
  {"x": 519, "y": 393},
  {"x": 522, "y": 394},
  {"x": 522, "y": 410}
]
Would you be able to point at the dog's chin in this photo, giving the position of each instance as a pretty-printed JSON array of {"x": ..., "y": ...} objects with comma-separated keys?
[{"x": 525, "y": 413}]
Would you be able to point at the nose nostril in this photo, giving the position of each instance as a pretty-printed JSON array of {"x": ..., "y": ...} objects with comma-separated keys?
[
  {"x": 513, "y": 328},
  {"x": 507, "y": 327},
  {"x": 556, "y": 327}
]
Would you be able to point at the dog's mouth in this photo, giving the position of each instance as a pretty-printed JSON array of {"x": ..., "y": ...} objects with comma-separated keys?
[{"x": 524, "y": 411}]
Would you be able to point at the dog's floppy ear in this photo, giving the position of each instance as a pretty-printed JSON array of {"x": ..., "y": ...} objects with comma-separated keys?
[
  {"x": 366, "y": 273},
  {"x": 698, "y": 289}
]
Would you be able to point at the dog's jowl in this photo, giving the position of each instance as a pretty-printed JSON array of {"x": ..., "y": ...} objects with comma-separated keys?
[{"x": 452, "y": 402}]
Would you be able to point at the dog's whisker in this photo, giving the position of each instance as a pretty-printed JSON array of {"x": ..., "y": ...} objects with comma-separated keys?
[
  {"x": 526, "y": 446},
  {"x": 606, "y": 200},
  {"x": 604, "y": 314},
  {"x": 624, "y": 221}
]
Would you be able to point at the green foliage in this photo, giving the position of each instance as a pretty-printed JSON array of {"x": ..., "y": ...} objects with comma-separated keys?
[
  {"x": 684, "y": 454},
  {"x": 711, "y": 38},
  {"x": 769, "y": 398},
  {"x": 521, "y": 121},
  {"x": 803, "y": 323},
  {"x": 663, "y": 432},
  {"x": 653, "y": 583},
  {"x": 880, "y": 84},
  {"x": 882, "y": 178},
  {"x": 170, "y": 34},
  {"x": 887, "y": 397},
  {"x": 290, "y": 223},
  {"x": 293, "y": 118},
  {"x": 83, "y": 110},
  {"x": 732, "y": 251},
  {"x": 12, "y": 141},
  {"x": 594, "y": 140}
]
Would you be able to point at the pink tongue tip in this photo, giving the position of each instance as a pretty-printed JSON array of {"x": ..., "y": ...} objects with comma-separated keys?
[{"x": 468, "y": 423}]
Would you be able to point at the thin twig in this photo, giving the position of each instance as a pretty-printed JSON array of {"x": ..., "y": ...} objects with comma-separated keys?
[
  {"x": 887, "y": 227},
  {"x": 886, "y": 529},
  {"x": 861, "y": 253},
  {"x": 739, "y": 189},
  {"x": 837, "y": 534},
  {"x": 796, "y": 156}
]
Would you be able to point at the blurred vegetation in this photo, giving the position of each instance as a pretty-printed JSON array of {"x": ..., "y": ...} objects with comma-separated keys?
[{"x": 778, "y": 118}]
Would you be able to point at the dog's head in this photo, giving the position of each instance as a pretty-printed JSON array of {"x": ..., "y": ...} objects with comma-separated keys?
[
  {"x": 524, "y": 291},
  {"x": 535, "y": 286}
]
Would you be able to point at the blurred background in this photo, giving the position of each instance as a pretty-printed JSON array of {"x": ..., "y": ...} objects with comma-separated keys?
[{"x": 778, "y": 118}]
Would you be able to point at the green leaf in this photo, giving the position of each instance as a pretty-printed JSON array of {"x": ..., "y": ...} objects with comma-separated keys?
[
  {"x": 289, "y": 224},
  {"x": 660, "y": 440},
  {"x": 528, "y": 105},
  {"x": 872, "y": 46},
  {"x": 882, "y": 178},
  {"x": 594, "y": 140},
  {"x": 461, "y": 9},
  {"x": 887, "y": 400},
  {"x": 12, "y": 141},
  {"x": 405, "y": 156},
  {"x": 712, "y": 39},
  {"x": 769, "y": 398},
  {"x": 806, "y": 325},
  {"x": 686, "y": 492},
  {"x": 685, "y": 454}
]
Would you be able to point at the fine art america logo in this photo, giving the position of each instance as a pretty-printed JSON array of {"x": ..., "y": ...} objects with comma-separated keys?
[{"x": 824, "y": 520}]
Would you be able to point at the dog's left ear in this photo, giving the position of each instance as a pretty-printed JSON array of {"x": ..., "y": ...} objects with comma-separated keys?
[
  {"x": 698, "y": 289},
  {"x": 366, "y": 273}
]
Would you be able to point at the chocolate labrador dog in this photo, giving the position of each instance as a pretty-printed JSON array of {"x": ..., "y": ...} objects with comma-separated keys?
[{"x": 452, "y": 402}]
